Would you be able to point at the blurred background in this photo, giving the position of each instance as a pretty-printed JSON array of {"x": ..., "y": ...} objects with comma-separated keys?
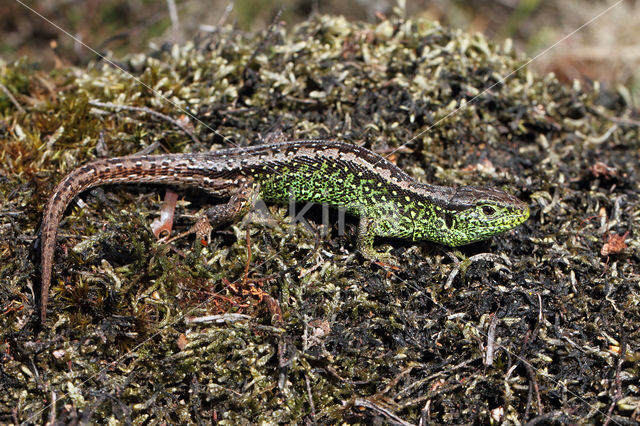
[{"x": 607, "y": 49}]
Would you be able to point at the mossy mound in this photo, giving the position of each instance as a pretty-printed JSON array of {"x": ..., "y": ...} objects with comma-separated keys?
[{"x": 541, "y": 323}]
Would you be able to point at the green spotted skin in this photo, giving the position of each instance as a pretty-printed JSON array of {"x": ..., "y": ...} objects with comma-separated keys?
[
  {"x": 388, "y": 201},
  {"x": 371, "y": 187}
]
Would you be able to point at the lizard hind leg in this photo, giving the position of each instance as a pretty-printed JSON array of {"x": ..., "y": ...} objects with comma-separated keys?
[{"x": 238, "y": 205}]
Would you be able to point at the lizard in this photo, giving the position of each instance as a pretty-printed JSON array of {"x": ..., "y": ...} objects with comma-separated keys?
[{"x": 388, "y": 202}]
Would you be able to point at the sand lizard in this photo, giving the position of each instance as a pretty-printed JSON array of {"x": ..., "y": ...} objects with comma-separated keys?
[{"x": 388, "y": 201}]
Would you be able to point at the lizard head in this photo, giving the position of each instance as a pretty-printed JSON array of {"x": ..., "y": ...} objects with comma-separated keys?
[{"x": 469, "y": 214}]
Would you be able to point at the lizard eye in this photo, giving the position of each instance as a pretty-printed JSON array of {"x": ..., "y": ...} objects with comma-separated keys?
[{"x": 488, "y": 210}]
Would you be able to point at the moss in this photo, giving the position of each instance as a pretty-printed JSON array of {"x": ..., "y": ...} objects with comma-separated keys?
[{"x": 330, "y": 336}]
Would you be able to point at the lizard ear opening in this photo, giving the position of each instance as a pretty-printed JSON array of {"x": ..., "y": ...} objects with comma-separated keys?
[{"x": 448, "y": 220}]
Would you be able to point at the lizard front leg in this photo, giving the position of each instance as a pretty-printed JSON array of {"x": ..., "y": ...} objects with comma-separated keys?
[{"x": 366, "y": 235}]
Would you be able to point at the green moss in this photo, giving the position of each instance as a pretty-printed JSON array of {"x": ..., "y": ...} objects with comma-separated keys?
[{"x": 118, "y": 341}]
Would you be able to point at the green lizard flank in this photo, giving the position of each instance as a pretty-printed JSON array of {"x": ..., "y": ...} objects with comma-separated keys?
[{"x": 388, "y": 201}]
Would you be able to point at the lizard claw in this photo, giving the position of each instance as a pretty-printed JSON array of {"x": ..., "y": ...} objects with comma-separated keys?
[{"x": 202, "y": 228}]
